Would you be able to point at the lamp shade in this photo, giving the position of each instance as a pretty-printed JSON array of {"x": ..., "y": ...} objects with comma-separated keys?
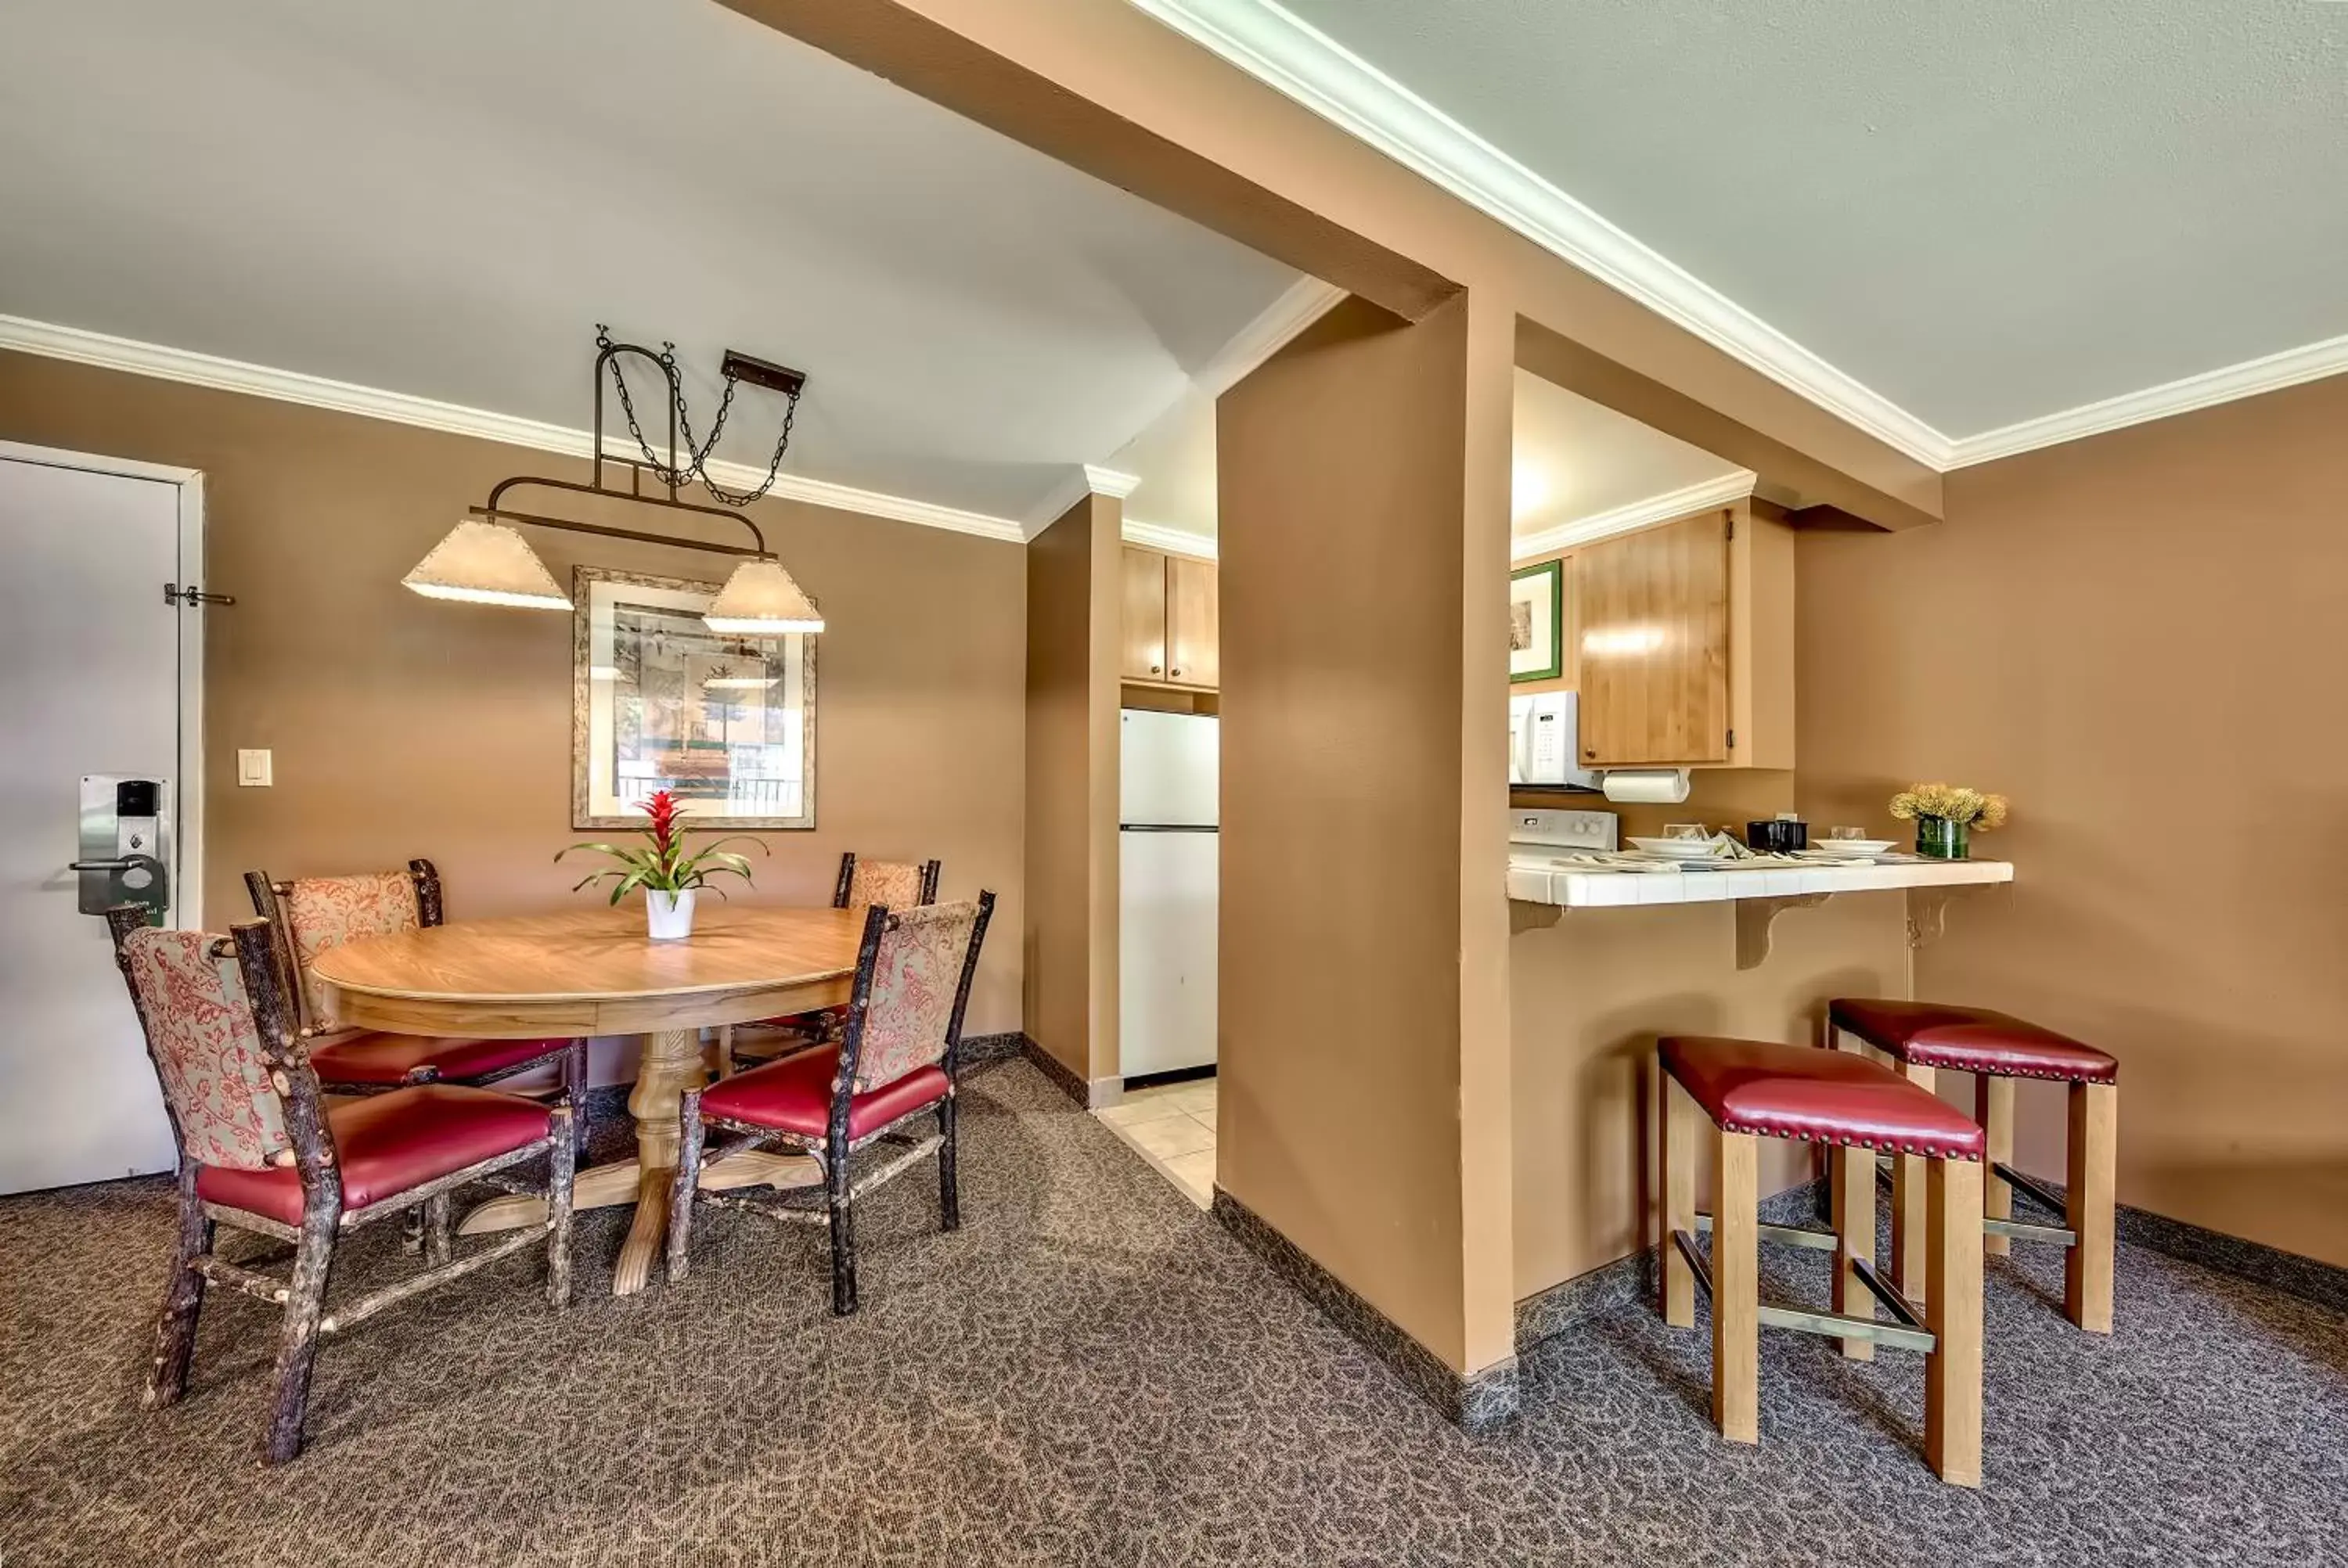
[
  {"x": 762, "y": 600},
  {"x": 487, "y": 563}
]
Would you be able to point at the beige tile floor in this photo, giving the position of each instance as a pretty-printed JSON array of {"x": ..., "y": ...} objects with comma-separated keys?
[{"x": 1172, "y": 1126}]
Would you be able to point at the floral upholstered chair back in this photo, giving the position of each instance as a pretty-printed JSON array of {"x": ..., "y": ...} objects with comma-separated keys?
[
  {"x": 207, "y": 1050},
  {"x": 892, "y": 883},
  {"x": 920, "y": 981},
  {"x": 323, "y": 912}
]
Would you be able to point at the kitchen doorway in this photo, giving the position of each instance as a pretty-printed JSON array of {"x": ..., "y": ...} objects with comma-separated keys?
[{"x": 101, "y": 706}]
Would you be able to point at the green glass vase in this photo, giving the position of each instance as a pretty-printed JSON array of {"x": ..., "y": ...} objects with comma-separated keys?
[{"x": 1941, "y": 838}]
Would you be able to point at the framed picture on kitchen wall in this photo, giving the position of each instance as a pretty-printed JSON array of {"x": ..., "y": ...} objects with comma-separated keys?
[
  {"x": 725, "y": 723},
  {"x": 1537, "y": 622}
]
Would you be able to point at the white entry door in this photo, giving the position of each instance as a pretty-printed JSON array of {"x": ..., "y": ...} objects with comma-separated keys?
[{"x": 90, "y": 683}]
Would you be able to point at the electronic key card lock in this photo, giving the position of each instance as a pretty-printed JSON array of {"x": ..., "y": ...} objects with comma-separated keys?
[{"x": 126, "y": 844}]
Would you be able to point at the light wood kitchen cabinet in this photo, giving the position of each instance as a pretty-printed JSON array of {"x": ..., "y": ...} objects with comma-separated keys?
[
  {"x": 1168, "y": 636},
  {"x": 1650, "y": 612},
  {"x": 1143, "y": 623},
  {"x": 1190, "y": 615}
]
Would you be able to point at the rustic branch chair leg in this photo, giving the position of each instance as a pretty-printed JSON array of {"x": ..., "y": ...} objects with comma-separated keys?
[
  {"x": 183, "y": 1299},
  {"x": 439, "y": 1229},
  {"x": 843, "y": 1227},
  {"x": 682, "y": 1184},
  {"x": 562, "y": 1166},
  {"x": 297, "y": 1347},
  {"x": 574, "y": 1089},
  {"x": 949, "y": 1188}
]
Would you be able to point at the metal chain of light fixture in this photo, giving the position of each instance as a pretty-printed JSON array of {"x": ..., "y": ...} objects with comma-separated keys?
[{"x": 697, "y": 467}]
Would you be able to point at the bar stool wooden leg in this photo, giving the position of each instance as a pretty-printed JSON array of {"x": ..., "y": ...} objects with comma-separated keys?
[
  {"x": 1908, "y": 1181},
  {"x": 1676, "y": 1176},
  {"x": 2088, "y": 1206},
  {"x": 1993, "y": 1109},
  {"x": 1736, "y": 1287},
  {"x": 1854, "y": 1223},
  {"x": 1952, "y": 1310}
]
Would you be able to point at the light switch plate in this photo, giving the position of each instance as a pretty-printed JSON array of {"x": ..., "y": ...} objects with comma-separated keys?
[{"x": 252, "y": 768}]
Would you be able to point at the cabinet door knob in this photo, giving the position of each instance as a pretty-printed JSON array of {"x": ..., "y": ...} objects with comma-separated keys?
[
  {"x": 1590, "y": 751},
  {"x": 1154, "y": 669},
  {"x": 1177, "y": 671}
]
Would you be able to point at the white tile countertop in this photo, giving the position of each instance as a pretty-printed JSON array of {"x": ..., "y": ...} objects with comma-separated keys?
[{"x": 1535, "y": 877}]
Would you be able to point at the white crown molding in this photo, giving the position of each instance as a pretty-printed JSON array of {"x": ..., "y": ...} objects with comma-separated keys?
[
  {"x": 1305, "y": 64},
  {"x": 1300, "y": 305},
  {"x": 2272, "y": 373},
  {"x": 1176, "y": 541},
  {"x": 1722, "y": 492},
  {"x": 1089, "y": 479},
  {"x": 1103, "y": 481},
  {"x": 220, "y": 374}
]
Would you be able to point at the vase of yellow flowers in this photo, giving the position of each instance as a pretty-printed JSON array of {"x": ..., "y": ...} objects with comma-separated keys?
[{"x": 1945, "y": 816}]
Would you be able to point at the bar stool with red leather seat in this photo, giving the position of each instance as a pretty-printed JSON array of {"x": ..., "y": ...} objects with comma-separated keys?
[
  {"x": 311, "y": 913},
  {"x": 259, "y": 1151},
  {"x": 1928, "y": 1038},
  {"x": 1756, "y": 1089}
]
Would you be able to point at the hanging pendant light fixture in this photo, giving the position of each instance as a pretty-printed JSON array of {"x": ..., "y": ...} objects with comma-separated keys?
[
  {"x": 485, "y": 560},
  {"x": 487, "y": 563},
  {"x": 760, "y": 600}
]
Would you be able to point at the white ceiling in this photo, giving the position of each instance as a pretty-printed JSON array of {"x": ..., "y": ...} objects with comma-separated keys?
[
  {"x": 1974, "y": 215},
  {"x": 440, "y": 198},
  {"x": 1573, "y": 461}
]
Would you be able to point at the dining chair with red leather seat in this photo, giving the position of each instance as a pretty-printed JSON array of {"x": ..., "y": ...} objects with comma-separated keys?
[
  {"x": 259, "y": 1151},
  {"x": 897, "y": 1060},
  {"x": 892, "y": 883},
  {"x": 311, "y": 913}
]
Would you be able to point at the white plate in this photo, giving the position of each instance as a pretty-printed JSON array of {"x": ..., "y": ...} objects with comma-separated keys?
[
  {"x": 1839, "y": 846},
  {"x": 1678, "y": 848}
]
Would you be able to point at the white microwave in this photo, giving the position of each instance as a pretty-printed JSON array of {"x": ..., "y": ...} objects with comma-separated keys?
[{"x": 1545, "y": 741}]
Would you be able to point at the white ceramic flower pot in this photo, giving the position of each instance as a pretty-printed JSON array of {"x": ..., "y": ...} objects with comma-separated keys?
[{"x": 669, "y": 916}]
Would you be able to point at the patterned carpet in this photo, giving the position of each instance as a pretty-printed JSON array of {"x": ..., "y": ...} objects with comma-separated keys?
[{"x": 1091, "y": 1371}]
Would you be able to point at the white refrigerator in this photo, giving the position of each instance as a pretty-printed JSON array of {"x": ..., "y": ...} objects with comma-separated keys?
[{"x": 1169, "y": 780}]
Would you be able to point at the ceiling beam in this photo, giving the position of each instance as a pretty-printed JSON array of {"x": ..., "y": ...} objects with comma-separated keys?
[
  {"x": 956, "y": 72},
  {"x": 1789, "y": 477}
]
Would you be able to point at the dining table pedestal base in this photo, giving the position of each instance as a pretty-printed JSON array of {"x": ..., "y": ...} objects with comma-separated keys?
[{"x": 672, "y": 1062}]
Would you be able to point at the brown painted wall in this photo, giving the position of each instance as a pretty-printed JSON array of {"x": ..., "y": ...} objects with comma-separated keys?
[
  {"x": 1353, "y": 950},
  {"x": 2136, "y": 637},
  {"x": 1072, "y": 780},
  {"x": 403, "y": 726}
]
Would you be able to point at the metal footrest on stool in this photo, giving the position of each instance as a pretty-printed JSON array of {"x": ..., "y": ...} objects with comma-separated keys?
[
  {"x": 1906, "y": 1332},
  {"x": 2019, "y": 1230}
]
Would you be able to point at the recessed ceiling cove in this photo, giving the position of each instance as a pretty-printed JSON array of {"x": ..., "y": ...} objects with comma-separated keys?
[{"x": 441, "y": 198}]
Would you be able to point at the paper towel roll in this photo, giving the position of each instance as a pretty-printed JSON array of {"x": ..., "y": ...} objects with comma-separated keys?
[{"x": 1653, "y": 786}]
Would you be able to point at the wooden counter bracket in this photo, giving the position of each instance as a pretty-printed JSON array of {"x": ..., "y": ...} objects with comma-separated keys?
[
  {"x": 1928, "y": 909},
  {"x": 1755, "y": 917}
]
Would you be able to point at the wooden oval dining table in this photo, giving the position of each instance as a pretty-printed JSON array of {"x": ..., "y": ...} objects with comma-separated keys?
[{"x": 594, "y": 971}]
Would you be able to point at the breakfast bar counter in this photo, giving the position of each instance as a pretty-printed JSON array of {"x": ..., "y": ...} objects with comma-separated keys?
[
  {"x": 1570, "y": 884},
  {"x": 1606, "y": 955}
]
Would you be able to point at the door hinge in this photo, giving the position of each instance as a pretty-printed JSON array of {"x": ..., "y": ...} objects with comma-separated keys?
[
  {"x": 1730, "y": 519},
  {"x": 174, "y": 595},
  {"x": 1732, "y": 740}
]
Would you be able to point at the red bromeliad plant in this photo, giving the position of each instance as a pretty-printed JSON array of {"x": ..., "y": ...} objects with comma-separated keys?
[{"x": 664, "y": 867}]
